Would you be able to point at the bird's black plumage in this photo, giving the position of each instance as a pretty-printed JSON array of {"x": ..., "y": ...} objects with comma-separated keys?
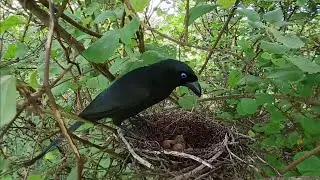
[{"x": 135, "y": 92}]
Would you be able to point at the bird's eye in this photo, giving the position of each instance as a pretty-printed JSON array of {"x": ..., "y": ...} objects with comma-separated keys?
[{"x": 183, "y": 75}]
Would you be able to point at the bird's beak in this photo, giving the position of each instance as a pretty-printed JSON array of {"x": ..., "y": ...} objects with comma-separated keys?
[{"x": 195, "y": 87}]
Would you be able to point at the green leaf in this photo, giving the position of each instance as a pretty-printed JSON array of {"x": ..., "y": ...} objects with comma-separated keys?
[
  {"x": 286, "y": 75},
  {"x": 103, "y": 48},
  {"x": 225, "y": 4},
  {"x": 274, "y": 47},
  {"x": 105, "y": 15},
  {"x": 10, "y": 22},
  {"x": 151, "y": 56},
  {"x": 304, "y": 64},
  {"x": 275, "y": 161},
  {"x": 234, "y": 77},
  {"x": 73, "y": 174},
  {"x": 198, "y": 11},
  {"x": 92, "y": 8},
  {"x": 8, "y": 95},
  {"x": 266, "y": 55},
  {"x": 33, "y": 80},
  {"x": 292, "y": 139},
  {"x": 252, "y": 15},
  {"x": 273, "y": 16},
  {"x": 279, "y": 62},
  {"x": 187, "y": 101},
  {"x": 310, "y": 126},
  {"x": 312, "y": 164},
  {"x": 264, "y": 98},
  {"x": 21, "y": 51},
  {"x": 128, "y": 30},
  {"x": 61, "y": 88},
  {"x": 4, "y": 163},
  {"x": 34, "y": 177},
  {"x": 248, "y": 106},
  {"x": 10, "y": 52},
  {"x": 292, "y": 41},
  {"x": 139, "y": 5}
]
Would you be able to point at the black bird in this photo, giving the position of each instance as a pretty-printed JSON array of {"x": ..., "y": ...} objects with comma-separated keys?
[{"x": 134, "y": 92}]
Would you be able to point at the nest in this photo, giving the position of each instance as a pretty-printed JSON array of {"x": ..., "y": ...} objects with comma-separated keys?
[{"x": 185, "y": 145}]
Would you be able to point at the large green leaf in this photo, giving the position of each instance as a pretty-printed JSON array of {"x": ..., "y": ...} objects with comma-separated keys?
[
  {"x": 187, "y": 101},
  {"x": 35, "y": 177},
  {"x": 247, "y": 106},
  {"x": 10, "y": 22},
  {"x": 225, "y": 4},
  {"x": 273, "y": 16},
  {"x": 251, "y": 14},
  {"x": 128, "y": 30},
  {"x": 274, "y": 47},
  {"x": 312, "y": 164},
  {"x": 151, "y": 56},
  {"x": 22, "y": 50},
  {"x": 234, "y": 77},
  {"x": 10, "y": 52},
  {"x": 105, "y": 15},
  {"x": 139, "y": 5},
  {"x": 292, "y": 41},
  {"x": 197, "y": 11},
  {"x": 103, "y": 48},
  {"x": 73, "y": 174},
  {"x": 91, "y": 8},
  {"x": 7, "y": 99},
  {"x": 304, "y": 64},
  {"x": 310, "y": 126}
]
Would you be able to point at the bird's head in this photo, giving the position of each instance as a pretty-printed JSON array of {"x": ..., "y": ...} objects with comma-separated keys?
[{"x": 183, "y": 74}]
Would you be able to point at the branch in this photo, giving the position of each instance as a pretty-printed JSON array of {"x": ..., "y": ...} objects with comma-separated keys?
[
  {"x": 220, "y": 35},
  {"x": 191, "y": 45},
  {"x": 47, "y": 89},
  {"x": 315, "y": 151},
  {"x": 180, "y": 154},
  {"x": 186, "y": 22},
  {"x": 134, "y": 154},
  {"x": 307, "y": 101}
]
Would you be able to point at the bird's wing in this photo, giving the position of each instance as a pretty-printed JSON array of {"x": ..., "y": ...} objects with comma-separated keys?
[{"x": 107, "y": 105}]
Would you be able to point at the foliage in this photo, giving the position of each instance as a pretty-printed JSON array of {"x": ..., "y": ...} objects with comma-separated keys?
[{"x": 262, "y": 76}]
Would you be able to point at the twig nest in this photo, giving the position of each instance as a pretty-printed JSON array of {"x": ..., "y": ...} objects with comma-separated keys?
[{"x": 183, "y": 145}]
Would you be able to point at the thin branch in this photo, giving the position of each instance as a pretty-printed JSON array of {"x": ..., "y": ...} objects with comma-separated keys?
[
  {"x": 315, "y": 151},
  {"x": 180, "y": 154},
  {"x": 47, "y": 89},
  {"x": 191, "y": 45},
  {"x": 134, "y": 154},
  {"x": 219, "y": 36},
  {"x": 186, "y": 22},
  {"x": 278, "y": 96}
]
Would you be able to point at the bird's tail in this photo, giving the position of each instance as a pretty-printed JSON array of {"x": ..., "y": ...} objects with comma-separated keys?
[{"x": 54, "y": 143}]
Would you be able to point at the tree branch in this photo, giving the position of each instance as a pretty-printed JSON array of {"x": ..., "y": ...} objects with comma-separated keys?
[{"x": 219, "y": 35}]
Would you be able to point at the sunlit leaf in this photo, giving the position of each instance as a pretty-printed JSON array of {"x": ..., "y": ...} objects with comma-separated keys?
[
  {"x": 274, "y": 47},
  {"x": 10, "y": 22},
  {"x": 304, "y": 64},
  {"x": 198, "y": 11},
  {"x": 187, "y": 101},
  {"x": 105, "y": 15},
  {"x": 273, "y": 16},
  {"x": 128, "y": 30},
  {"x": 225, "y": 4},
  {"x": 251, "y": 14},
  {"x": 103, "y": 48},
  {"x": 139, "y": 5},
  {"x": 8, "y": 99}
]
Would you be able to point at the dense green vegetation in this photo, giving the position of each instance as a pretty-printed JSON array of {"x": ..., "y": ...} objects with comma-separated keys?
[{"x": 258, "y": 63}]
